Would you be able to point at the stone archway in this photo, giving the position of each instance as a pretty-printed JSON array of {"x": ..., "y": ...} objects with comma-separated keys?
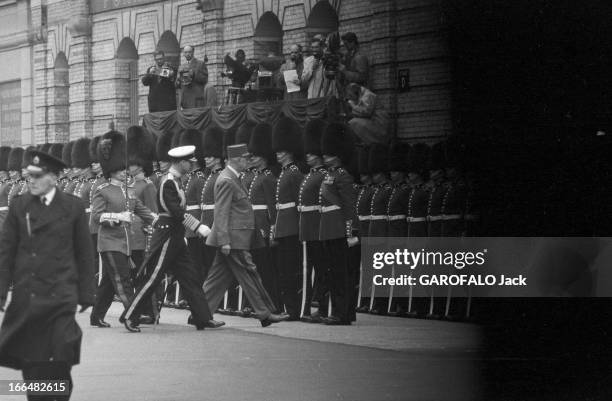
[
  {"x": 126, "y": 84},
  {"x": 171, "y": 48},
  {"x": 323, "y": 19}
]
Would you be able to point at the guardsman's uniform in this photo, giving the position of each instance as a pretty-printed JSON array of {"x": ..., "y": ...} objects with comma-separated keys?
[
  {"x": 310, "y": 221},
  {"x": 287, "y": 137},
  {"x": 70, "y": 182},
  {"x": 453, "y": 205},
  {"x": 112, "y": 202},
  {"x": 4, "y": 183},
  {"x": 416, "y": 212},
  {"x": 437, "y": 191},
  {"x": 337, "y": 200},
  {"x": 398, "y": 199}
]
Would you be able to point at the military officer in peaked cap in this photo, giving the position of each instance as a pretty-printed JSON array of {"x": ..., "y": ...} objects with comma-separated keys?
[
  {"x": 287, "y": 143},
  {"x": 46, "y": 252},
  {"x": 112, "y": 208},
  {"x": 337, "y": 199},
  {"x": 309, "y": 207},
  {"x": 168, "y": 248},
  {"x": 262, "y": 195}
]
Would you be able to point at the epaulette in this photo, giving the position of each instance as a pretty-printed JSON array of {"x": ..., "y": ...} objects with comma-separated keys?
[
  {"x": 293, "y": 167},
  {"x": 267, "y": 171},
  {"x": 148, "y": 180},
  {"x": 200, "y": 174},
  {"x": 101, "y": 186}
]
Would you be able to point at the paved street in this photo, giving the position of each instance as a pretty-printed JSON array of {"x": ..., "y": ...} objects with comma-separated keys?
[{"x": 379, "y": 358}]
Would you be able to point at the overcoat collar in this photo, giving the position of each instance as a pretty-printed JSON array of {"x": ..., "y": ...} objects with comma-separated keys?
[{"x": 55, "y": 211}]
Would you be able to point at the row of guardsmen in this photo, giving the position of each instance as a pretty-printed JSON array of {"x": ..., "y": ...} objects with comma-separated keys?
[{"x": 314, "y": 193}]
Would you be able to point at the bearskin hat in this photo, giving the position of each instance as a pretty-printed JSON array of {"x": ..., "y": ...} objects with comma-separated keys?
[
  {"x": 93, "y": 149},
  {"x": 260, "y": 143},
  {"x": 212, "y": 142},
  {"x": 287, "y": 137},
  {"x": 15, "y": 158},
  {"x": 80, "y": 153},
  {"x": 164, "y": 144},
  {"x": 418, "y": 158},
  {"x": 4, "y": 157},
  {"x": 312, "y": 136},
  {"x": 26, "y": 160},
  {"x": 398, "y": 157},
  {"x": 243, "y": 133},
  {"x": 193, "y": 137},
  {"x": 338, "y": 140},
  {"x": 66, "y": 153},
  {"x": 436, "y": 157},
  {"x": 140, "y": 148},
  {"x": 112, "y": 152},
  {"x": 377, "y": 158},
  {"x": 45, "y": 147},
  {"x": 56, "y": 150},
  {"x": 229, "y": 138},
  {"x": 363, "y": 153}
]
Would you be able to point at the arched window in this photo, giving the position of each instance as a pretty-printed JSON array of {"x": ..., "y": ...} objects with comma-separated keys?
[
  {"x": 323, "y": 19},
  {"x": 268, "y": 36},
  {"x": 60, "y": 111},
  {"x": 127, "y": 84},
  {"x": 171, "y": 48}
]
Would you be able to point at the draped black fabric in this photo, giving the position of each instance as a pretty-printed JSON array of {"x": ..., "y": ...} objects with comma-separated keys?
[{"x": 230, "y": 117}]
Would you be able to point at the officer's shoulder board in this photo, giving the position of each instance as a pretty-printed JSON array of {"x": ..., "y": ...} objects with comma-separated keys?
[
  {"x": 102, "y": 186},
  {"x": 294, "y": 168}
]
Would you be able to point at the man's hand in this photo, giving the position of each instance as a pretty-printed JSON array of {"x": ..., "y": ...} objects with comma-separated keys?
[
  {"x": 352, "y": 241},
  {"x": 203, "y": 230},
  {"x": 225, "y": 249},
  {"x": 84, "y": 307}
]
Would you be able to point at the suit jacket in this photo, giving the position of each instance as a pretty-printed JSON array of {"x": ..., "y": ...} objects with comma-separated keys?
[
  {"x": 46, "y": 252},
  {"x": 234, "y": 220},
  {"x": 162, "y": 93},
  {"x": 191, "y": 79}
]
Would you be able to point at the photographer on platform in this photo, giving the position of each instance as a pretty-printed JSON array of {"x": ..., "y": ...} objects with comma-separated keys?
[
  {"x": 191, "y": 80},
  {"x": 314, "y": 77},
  {"x": 160, "y": 80},
  {"x": 356, "y": 68}
]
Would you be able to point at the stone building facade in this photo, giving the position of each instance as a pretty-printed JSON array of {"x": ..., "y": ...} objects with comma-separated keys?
[{"x": 77, "y": 64}]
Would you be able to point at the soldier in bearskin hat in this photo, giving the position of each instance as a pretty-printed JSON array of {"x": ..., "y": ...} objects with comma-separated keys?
[
  {"x": 112, "y": 208},
  {"x": 140, "y": 153},
  {"x": 418, "y": 198},
  {"x": 98, "y": 180},
  {"x": 163, "y": 145},
  {"x": 14, "y": 168},
  {"x": 398, "y": 199},
  {"x": 309, "y": 207},
  {"x": 70, "y": 182},
  {"x": 287, "y": 143},
  {"x": 5, "y": 183},
  {"x": 337, "y": 199},
  {"x": 362, "y": 208},
  {"x": 82, "y": 166},
  {"x": 261, "y": 193},
  {"x": 437, "y": 190},
  {"x": 379, "y": 168}
]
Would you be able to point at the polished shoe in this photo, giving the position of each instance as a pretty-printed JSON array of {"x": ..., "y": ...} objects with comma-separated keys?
[
  {"x": 227, "y": 311},
  {"x": 144, "y": 319},
  {"x": 362, "y": 309},
  {"x": 306, "y": 319},
  {"x": 131, "y": 327},
  {"x": 190, "y": 320},
  {"x": 99, "y": 323},
  {"x": 245, "y": 312},
  {"x": 213, "y": 324},
  {"x": 182, "y": 304},
  {"x": 316, "y": 318},
  {"x": 273, "y": 319},
  {"x": 335, "y": 321}
]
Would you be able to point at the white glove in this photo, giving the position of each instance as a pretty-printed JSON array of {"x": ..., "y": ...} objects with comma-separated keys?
[
  {"x": 203, "y": 230},
  {"x": 124, "y": 216},
  {"x": 352, "y": 241}
]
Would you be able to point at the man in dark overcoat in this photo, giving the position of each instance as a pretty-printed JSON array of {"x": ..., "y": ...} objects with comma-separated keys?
[{"x": 46, "y": 252}]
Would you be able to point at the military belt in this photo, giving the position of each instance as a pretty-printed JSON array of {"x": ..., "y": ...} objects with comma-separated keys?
[
  {"x": 416, "y": 219},
  {"x": 466, "y": 217},
  {"x": 331, "y": 208},
  {"x": 88, "y": 210},
  {"x": 365, "y": 218},
  {"x": 451, "y": 216},
  {"x": 378, "y": 217},
  {"x": 207, "y": 207},
  {"x": 260, "y": 207},
  {"x": 193, "y": 207},
  {"x": 397, "y": 217},
  {"x": 288, "y": 205},
  {"x": 434, "y": 218},
  {"x": 3, "y": 208},
  {"x": 312, "y": 208}
]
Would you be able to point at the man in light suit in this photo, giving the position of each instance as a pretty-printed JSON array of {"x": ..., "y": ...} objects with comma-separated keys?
[{"x": 233, "y": 233}]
